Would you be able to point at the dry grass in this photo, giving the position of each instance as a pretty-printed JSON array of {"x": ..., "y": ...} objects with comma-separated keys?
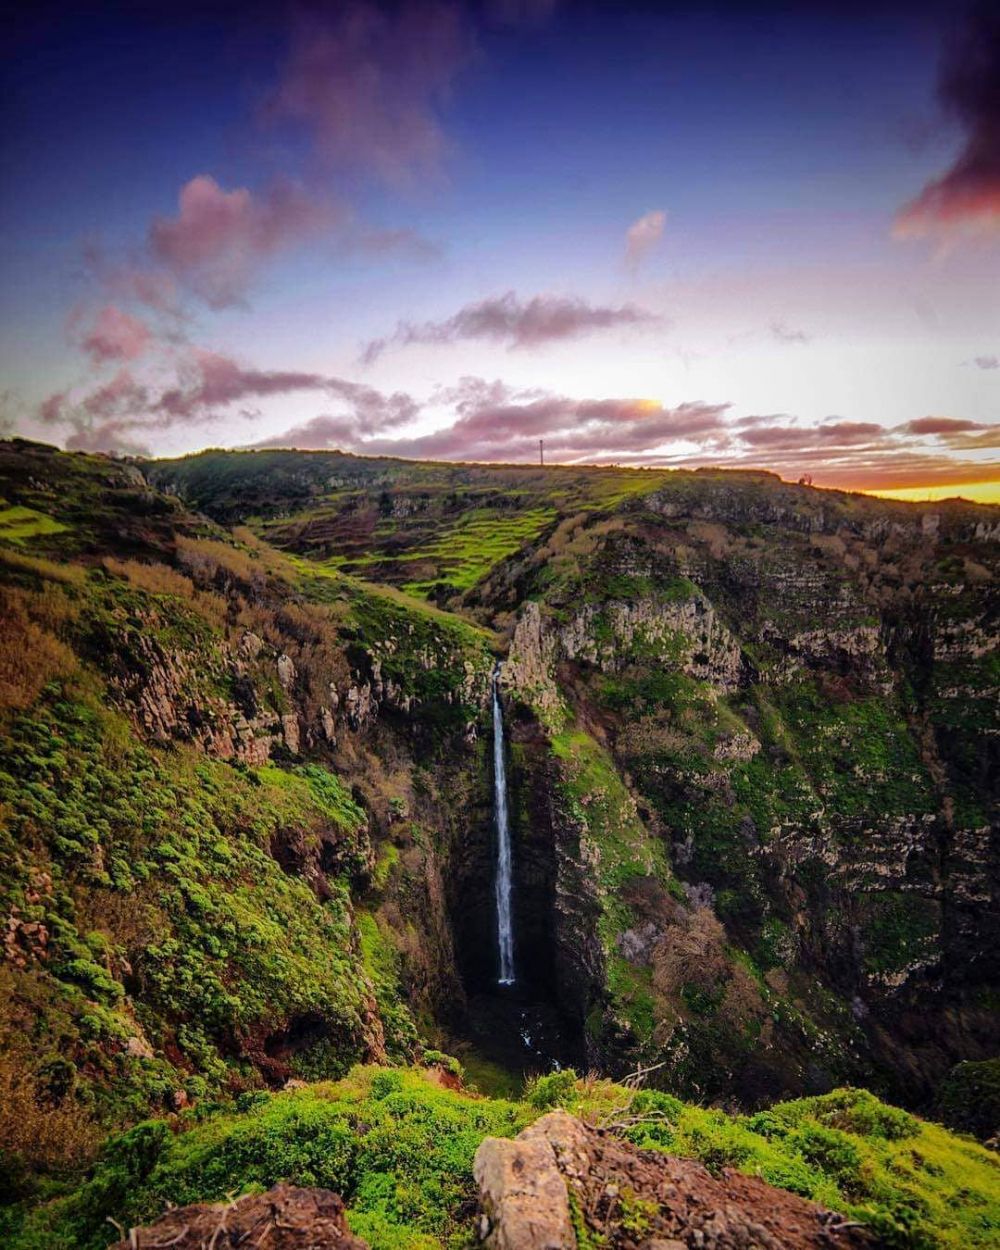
[
  {"x": 157, "y": 579},
  {"x": 206, "y": 557},
  {"x": 48, "y": 570},
  {"x": 30, "y": 653},
  {"x": 44, "y": 1128},
  {"x": 160, "y": 579}
]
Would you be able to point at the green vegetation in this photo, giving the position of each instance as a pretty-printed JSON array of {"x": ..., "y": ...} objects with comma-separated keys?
[
  {"x": 969, "y": 1098},
  {"x": 153, "y": 869},
  {"x": 622, "y": 854},
  {"x": 399, "y": 1147},
  {"x": 481, "y": 540},
  {"x": 17, "y": 524}
]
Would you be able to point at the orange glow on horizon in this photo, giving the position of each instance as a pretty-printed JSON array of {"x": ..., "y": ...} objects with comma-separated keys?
[{"x": 977, "y": 492}]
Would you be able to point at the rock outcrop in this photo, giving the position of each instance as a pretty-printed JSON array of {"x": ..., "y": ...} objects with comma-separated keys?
[{"x": 562, "y": 1184}]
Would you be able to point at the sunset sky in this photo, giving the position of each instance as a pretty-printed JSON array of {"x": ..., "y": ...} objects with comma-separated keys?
[{"x": 760, "y": 236}]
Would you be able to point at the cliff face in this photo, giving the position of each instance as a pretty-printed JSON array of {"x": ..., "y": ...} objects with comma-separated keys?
[
  {"x": 803, "y": 708},
  {"x": 247, "y": 809}
]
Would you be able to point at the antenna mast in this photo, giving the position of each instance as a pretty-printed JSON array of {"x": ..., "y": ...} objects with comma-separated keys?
[{"x": 541, "y": 451}]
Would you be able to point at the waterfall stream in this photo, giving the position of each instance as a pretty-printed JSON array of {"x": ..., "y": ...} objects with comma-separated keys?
[{"x": 505, "y": 932}]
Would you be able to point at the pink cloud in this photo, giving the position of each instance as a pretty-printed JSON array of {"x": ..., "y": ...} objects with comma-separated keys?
[
  {"x": 115, "y": 336},
  {"x": 108, "y": 436},
  {"x": 495, "y": 423},
  {"x": 515, "y": 322},
  {"x": 941, "y": 425},
  {"x": 131, "y": 280},
  {"x": 643, "y": 235},
  {"x": 369, "y": 84},
  {"x": 123, "y": 395},
  {"x": 209, "y": 385},
  {"x": 219, "y": 238},
  {"x": 215, "y": 381},
  {"x": 965, "y": 200}
]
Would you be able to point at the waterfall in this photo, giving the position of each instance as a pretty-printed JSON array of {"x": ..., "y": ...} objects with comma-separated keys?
[{"x": 505, "y": 932}]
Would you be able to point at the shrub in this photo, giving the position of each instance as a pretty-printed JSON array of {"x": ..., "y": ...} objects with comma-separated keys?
[{"x": 554, "y": 1089}]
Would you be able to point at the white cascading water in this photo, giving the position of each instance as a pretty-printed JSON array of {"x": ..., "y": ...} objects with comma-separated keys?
[{"x": 505, "y": 931}]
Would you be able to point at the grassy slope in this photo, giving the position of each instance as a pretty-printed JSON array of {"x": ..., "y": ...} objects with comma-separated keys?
[
  {"x": 154, "y": 944},
  {"x": 399, "y": 1147}
]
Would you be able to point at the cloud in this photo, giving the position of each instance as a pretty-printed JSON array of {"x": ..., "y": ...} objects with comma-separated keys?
[
  {"x": 986, "y": 362},
  {"x": 368, "y": 84},
  {"x": 403, "y": 242},
  {"x": 319, "y": 434},
  {"x": 108, "y": 436},
  {"x": 829, "y": 434},
  {"x": 208, "y": 385},
  {"x": 215, "y": 381},
  {"x": 131, "y": 280},
  {"x": 219, "y": 239},
  {"x": 517, "y": 323},
  {"x": 965, "y": 200},
  {"x": 572, "y": 429},
  {"x": 123, "y": 396},
  {"x": 494, "y": 422},
  {"x": 643, "y": 235},
  {"x": 940, "y": 425},
  {"x": 115, "y": 336},
  {"x": 784, "y": 334}
]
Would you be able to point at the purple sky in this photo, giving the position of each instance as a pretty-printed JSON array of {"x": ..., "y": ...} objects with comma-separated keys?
[{"x": 645, "y": 233}]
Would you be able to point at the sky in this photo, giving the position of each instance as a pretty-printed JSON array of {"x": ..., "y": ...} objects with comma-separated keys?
[{"x": 745, "y": 236}]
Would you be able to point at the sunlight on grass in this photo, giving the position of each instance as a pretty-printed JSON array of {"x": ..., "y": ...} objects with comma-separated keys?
[{"x": 17, "y": 524}]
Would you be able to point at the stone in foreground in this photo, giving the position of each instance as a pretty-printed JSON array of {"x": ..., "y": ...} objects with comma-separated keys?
[{"x": 560, "y": 1171}]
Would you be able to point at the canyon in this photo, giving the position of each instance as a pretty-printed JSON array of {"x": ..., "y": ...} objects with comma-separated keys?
[{"x": 313, "y": 761}]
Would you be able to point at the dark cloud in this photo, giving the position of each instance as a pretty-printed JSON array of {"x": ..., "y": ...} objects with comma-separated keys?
[
  {"x": 785, "y": 334},
  {"x": 966, "y": 198},
  {"x": 829, "y": 434},
  {"x": 495, "y": 423},
  {"x": 216, "y": 381},
  {"x": 517, "y": 323}
]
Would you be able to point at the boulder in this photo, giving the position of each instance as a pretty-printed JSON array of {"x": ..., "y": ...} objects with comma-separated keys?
[{"x": 560, "y": 1175}]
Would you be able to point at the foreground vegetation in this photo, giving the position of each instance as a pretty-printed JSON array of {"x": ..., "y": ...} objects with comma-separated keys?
[{"x": 399, "y": 1146}]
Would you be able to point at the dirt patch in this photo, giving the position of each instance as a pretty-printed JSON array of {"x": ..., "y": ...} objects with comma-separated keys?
[{"x": 285, "y": 1218}]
